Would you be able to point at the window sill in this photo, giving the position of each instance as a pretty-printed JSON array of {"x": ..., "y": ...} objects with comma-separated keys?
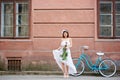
[
  {"x": 15, "y": 40},
  {"x": 108, "y": 40}
]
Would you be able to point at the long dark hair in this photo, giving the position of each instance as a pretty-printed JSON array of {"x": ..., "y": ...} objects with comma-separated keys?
[{"x": 64, "y": 33}]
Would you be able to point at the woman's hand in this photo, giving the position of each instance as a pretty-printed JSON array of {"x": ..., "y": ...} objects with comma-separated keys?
[{"x": 59, "y": 48}]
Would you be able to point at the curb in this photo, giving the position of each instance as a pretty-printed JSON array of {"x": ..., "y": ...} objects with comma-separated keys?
[
  {"x": 30, "y": 73},
  {"x": 47, "y": 73}
]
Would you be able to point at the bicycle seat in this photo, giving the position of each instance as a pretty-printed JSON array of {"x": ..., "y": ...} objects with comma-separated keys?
[
  {"x": 85, "y": 47},
  {"x": 100, "y": 53}
]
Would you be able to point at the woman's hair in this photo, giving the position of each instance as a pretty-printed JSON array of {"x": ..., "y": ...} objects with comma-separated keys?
[{"x": 64, "y": 33}]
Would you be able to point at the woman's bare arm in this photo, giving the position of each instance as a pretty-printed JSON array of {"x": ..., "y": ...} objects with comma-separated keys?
[{"x": 70, "y": 43}]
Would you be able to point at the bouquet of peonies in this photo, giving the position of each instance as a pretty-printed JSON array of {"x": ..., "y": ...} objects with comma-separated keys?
[{"x": 64, "y": 54}]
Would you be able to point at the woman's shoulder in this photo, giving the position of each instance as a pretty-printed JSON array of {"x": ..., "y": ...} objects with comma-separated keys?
[
  {"x": 70, "y": 38},
  {"x": 62, "y": 38}
]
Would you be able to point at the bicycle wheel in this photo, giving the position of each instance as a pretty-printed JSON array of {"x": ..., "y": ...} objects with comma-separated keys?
[
  {"x": 107, "y": 68},
  {"x": 80, "y": 67}
]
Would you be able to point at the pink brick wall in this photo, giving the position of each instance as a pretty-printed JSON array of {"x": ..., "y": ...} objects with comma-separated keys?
[{"x": 49, "y": 18}]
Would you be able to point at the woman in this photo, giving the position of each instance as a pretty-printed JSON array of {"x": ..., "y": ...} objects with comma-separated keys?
[{"x": 65, "y": 61}]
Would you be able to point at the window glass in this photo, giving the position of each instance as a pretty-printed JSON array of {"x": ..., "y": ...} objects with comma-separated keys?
[{"x": 7, "y": 19}]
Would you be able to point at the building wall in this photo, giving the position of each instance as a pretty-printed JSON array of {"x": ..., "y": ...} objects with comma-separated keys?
[
  {"x": 54, "y": 16},
  {"x": 48, "y": 19}
]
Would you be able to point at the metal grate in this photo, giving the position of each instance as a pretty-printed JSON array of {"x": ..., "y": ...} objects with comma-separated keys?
[{"x": 14, "y": 64}]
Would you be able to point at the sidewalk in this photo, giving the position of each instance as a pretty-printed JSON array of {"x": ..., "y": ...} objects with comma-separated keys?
[
  {"x": 90, "y": 73},
  {"x": 31, "y": 72},
  {"x": 54, "y": 77}
]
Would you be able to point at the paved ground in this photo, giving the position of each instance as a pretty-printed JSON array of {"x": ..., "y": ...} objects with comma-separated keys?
[{"x": 54, "y": 77}]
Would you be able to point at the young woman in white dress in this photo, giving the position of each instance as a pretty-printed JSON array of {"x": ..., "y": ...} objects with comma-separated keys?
[{"x": 66, "y": 65}]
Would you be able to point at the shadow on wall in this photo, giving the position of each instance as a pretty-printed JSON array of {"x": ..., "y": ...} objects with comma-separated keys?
[
  {"x": 2, "y": 64},
  {"x": 39, "y": 62},
  {"x": 39, "y": 67}
]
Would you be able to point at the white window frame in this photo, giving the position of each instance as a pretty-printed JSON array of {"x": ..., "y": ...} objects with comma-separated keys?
[{"x": 104, "y": 2}]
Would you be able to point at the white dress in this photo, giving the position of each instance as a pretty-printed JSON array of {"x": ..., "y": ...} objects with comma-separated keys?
[{"x": 68, "y": 61}]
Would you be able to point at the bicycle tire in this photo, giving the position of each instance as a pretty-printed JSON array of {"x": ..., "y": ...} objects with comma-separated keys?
[
  {"x": 110, "y": 71},
  {"x": 79, "y": 67}
]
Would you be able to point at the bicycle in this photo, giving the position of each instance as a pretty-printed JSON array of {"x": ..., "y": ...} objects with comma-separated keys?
[{"x": 106, "y": 67}]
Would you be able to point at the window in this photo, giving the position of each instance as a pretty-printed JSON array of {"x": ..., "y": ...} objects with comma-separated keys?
[
  {"x": 14, "y": 63},
  {"x": 15, "y": 19},
  {"x": 109, "y": 19}
]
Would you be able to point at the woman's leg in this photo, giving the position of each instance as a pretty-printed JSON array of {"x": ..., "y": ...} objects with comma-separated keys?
[
  {"x": 67, "y": 72},
  {"x": 63, "y": 68}
]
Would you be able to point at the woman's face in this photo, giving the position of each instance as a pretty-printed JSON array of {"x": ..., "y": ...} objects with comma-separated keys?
[{"x": 65, "y": 34}]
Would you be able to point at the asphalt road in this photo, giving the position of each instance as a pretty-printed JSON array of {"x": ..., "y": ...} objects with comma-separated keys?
[{"x": 54, "y": 77}]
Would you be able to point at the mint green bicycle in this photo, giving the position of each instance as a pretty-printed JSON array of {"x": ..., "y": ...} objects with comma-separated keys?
[{"x": 106, "y": 67}]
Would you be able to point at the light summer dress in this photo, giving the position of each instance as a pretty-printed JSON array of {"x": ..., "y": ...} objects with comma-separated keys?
[{"x": 57, "y": 56}]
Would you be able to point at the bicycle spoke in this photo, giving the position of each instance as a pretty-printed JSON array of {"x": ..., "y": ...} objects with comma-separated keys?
[
  {"x": 107, "y": 68},
  {"x": 79, "y": 66}
]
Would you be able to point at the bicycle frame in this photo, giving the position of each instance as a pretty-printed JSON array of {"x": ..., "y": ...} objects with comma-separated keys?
[
  {"x": 101, "y": 65},
  {"x": 89, "y": 63}
]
